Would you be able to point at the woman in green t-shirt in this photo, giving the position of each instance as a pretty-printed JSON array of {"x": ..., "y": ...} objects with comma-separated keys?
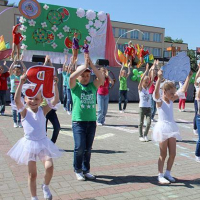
[
  {"x": 84, "y": 116},
  {"x": 123, "y": 75}
]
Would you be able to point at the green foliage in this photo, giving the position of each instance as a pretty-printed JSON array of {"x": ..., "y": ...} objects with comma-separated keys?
[
  {"x": 193, "y": 60},
  {"x": 169, "y": 39}
]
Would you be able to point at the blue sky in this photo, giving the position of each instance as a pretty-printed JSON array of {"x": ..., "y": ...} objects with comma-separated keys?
[{"x": 180, "y": 18}]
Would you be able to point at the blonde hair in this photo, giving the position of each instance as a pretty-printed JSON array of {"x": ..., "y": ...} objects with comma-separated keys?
[{"x": 168, "y": 86}]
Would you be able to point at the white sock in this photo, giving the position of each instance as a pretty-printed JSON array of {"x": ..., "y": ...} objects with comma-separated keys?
[
  {"x": 45, "y": 186},
  {"x": 167, "y": 173},
  {"x": 161, "y": 175},
  {"x": 34, "y": 198}
]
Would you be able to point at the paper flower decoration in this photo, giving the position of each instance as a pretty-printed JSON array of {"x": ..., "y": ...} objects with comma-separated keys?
[
  {"x": 23, "y": 28},
  {"x": 60, "y": 35},
  {"x": 97, "y": 24},
  {"x": 46, "y": 7},
  {"x": 87, "y": 26},
  {"x": 54, "y": 45},
  {"x": 44, "y": 24},
  {"x": 92, "y": 32},
  {"x": 80, "y": 12},
  {"x": 65, "y": 51},
  {"x": 24, "y": 37},
  {"x": 31, "y": 22},
  {"x": 91, "y": 23},
  {"x": 88, "y": 38},
  {"x": 54, "y": 28},
  {"x": 24, "y": 47},
  {"x": 22, "y": 19},
  {"x": 90, "y": 15},
  {"x": 102, "y": 16},
  {"x": 66, "y": 28}
]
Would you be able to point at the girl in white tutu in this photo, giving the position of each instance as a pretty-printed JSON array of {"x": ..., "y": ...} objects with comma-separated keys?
[
  {"x": 166, "y": 130},
  {"x": 35, "y": 144}
]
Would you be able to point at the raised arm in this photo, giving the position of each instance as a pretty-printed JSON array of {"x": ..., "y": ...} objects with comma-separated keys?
[
  {"x": 23, "y": 65},
  {"x": 17, "y": 97},
  {"x": 65, "y": 62},
  {"x": 5, "y": 64},
  {"x": 110, "y": 79},
  {"x": 129, "y": 71},
  {"x": 186, "y": 84},
  {"x": 47, "y": 61},
  {"x": 120, "y": 72},
  {"x": 100, "y": 78},
  {"x": 145, "y": 73},
  {"x": 157, "y": 88},
  {"x": 15, "y": 28},
  {"x": 11, "y": 66},
  {"x": 55, "y": 99}
]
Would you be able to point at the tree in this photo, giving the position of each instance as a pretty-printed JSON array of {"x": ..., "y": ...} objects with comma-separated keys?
[
  {"x": 193, "y": 60},
  {"x": 178, "y": 41},
  {"x": 168, "y": 39}
]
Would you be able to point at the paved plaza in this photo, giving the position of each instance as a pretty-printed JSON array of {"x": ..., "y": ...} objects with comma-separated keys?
[{"x": 125, "y": 167}]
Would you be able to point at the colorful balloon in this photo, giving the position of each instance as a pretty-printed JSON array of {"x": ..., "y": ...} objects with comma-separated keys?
[
  {"x": 135, "y": 72},
  {"x": 134, "y": 78}
]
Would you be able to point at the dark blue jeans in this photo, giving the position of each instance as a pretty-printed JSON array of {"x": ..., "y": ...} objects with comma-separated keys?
[
  {"x": 196, "y": 110},
  {"x": 53, "y": 118},
  {"x": 64, "y": 96},
  {"x": 2, "y": 100},
  {"x": 123, "y": 93},
  {"x": 14, "y": 112},
  {"x": 69, "y": 100},
  {"x": 84, "y": 133},
  {"x": 197, "y": 153}
]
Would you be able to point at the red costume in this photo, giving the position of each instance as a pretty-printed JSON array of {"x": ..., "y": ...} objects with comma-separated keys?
[
  {"x": 130, "y": 51},
  {"x": 17, "y": 37},
  {"x": 143, "y": 53}
]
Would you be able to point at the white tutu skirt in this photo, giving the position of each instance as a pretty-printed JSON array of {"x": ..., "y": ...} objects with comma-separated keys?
[
  {"x": 164, "y": 130},
  {"x": 30, "y": 150}
]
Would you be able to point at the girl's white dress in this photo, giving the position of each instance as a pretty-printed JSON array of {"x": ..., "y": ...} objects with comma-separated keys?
[
  {"x": 166, "y": 127},
  {"x": 35, "y": 144}
]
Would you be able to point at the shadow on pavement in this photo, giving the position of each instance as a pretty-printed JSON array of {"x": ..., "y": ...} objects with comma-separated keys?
[
  {"x": 100, "y": 151},
  {"x": 117, "y": 180}
]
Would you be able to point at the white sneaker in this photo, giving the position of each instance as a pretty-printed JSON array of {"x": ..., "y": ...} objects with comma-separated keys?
[
  {"x": 180, "y": 110},
  {"x": 69, "y": 112},
  {"x": 197, "y": 159},
  {"x": 169, "y": 178},
  {"x": 46, "y": 192},
  {"x": 183, "y": 110},
  {"x": 20, "y": 125},
  {"x": 80, "y": 176},
  {"x": 15, "y": 125},
  {"x": 99, "y": 124},
  {"x": 162, "y": 180},
  {"x": 34, "y": 198},
  {"x": 121, "y": 111},
  {"x": 141, "y": 139},
  {"x": 146, "y": 139},
  {"x": 195, "y": 132},
  {"x": 89, "y": 176},
  {"x": 153, "y": 120}
]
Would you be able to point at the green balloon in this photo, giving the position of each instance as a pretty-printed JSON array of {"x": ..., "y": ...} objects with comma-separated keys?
[
  {"x": 135, "y": 72},
  {"x": 134, "y": 78},
  {"x": 140, "y": 72},
  {"x": 138, "y": 79}
]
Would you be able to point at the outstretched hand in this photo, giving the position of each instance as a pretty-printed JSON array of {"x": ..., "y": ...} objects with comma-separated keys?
[
  {"x": 160, "y": 74},
  {"x": 23, "y": 78}
]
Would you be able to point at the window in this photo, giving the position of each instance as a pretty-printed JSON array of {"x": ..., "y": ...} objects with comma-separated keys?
[
  {"x": 121, "y": 47},
  {"x": 157, "y": 37},
  {"x": 146, "y": 36},
  {"x": 149, "y": 49},
  {"x": 135, "y": 35},
  {"x": 122, "y": 33},
  {"x": 157, "y": 52},
  {"x": 113, "y": 29},
  {"x": 167, "y": 54},
  {"x": 17, "y": 19}
]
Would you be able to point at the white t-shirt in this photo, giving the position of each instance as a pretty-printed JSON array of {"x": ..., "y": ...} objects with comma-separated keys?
[
  {"x": 145, "y": 100},
  {"x": 196, "y": 90}
]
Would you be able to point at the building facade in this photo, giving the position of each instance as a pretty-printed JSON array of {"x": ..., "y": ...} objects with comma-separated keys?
[{"x": 151, "y": 37}]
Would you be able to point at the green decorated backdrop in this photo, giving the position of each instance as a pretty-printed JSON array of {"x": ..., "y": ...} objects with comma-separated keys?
[{"x": 54, "y": 28}]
